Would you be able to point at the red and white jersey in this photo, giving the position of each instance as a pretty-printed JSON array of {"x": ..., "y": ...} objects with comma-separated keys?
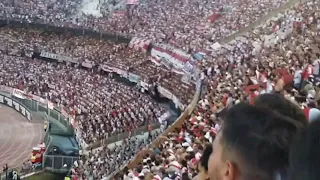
[{"x": 307, "y": 71}]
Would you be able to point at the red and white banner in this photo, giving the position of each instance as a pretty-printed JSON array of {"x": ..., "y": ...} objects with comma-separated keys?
[
  {"x": 6, "y": 89},
  {"x": 18, "y": 93},
  {"x": 139, "y": 44},
  {"x": 44, "y": 102},
  {"x": 156, "y": 60},
  {"x": 175, "y": 56},
  {"x": 132, "y": 1},
  {"x": 21, "y": 94}
]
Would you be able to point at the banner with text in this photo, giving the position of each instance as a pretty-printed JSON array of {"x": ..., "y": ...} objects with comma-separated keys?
[
  {"x": 58, "y": 57},
  {"x": 172, "y": 58},
  {"x": 15, "y": 105},
  {"x": 164, "y": 92}
]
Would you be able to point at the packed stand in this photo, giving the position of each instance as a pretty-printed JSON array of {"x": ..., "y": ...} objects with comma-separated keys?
[
  {"x": 100, "y": 163},
  {"x": 103, "y": 106},
  {"x": 186, "y": 24},
  {"x": 97, "y": 52},
  {"x": 274, "y": 57},
  {"x": 280, "y": 57}
]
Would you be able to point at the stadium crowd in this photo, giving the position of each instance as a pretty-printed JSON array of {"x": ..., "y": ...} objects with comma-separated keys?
[
  {"x": 104, "y": 107},
  {"x": 280, "y": 57},
  {"x": 96, "y": 52},
  {"x": 190, "y": 25},
  {"x": 99, "y": 163},
  {"x": 275, "y": 68}
]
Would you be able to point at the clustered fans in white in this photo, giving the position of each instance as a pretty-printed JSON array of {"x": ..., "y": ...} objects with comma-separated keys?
[
  {"x": 185, "y": 24},
  {"x": 281, "y": 55}
]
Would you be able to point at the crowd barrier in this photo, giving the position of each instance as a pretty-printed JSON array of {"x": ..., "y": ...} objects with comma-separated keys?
[
  {"x": 177, "y": 124},
  {"x": 36, "y": 104},
  {"x": 58, "y": 113},
  {"x": 57, "y": 163},
  {"x": 22, "y": 109}
]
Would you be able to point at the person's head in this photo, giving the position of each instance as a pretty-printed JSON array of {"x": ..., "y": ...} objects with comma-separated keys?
[
  {"x": 304, "y": 154},
  {"x": 261, "y": 88},
  {"x": 281, "y": 105},
  {"x": 203, "y": 163},
  {"x": 253, "y": 143}
]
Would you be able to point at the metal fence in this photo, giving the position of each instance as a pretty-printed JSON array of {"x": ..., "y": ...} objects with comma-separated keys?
[
  {"x": 59, "y": 164},
  {"x": 125, "y": 135},
  {"x": 55, "y": 114},
  {"x": 45, "y": 112}
]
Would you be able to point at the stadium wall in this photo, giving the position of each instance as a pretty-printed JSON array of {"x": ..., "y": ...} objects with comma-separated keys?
[{"x": 20, "y": 108}]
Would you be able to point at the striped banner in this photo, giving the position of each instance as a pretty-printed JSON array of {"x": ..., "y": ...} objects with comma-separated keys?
[{"x": 139, "y": 44}]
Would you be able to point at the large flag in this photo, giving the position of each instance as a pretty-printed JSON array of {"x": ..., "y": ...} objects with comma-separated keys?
[{"x": 139, "y": 44}]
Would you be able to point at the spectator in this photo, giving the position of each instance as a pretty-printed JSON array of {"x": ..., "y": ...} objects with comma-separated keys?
[
  {"x": 203, "y": 164},
  {"x": 257, "y": 140},
  {"x": 304, "y": 160},
  {"x": 281, "y": 105}
]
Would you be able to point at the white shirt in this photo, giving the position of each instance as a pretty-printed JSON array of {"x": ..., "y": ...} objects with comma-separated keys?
[
  {"x": 297, "y": 76},
  {"x": 316, "y": 67}
]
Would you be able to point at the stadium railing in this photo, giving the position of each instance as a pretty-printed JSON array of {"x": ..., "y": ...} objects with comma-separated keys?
[
  {"x": 177, "y": 124},
  {"x": 56, "y": 114},
  {"x": 57, "y": 163},
  {"x": 76, "y": 31}
]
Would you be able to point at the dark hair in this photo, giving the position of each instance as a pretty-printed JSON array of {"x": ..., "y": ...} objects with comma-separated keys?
[
  {"x": 260, "y": 137},
  {"x": 184, "y": 163},
  {"x": 278, "y": 103},
  {"x": 185, "y": 176},
  {"x": 157, "y": 162},
  {"x": 205, "y": 157},
  {"x": 304, "y": 155},
  {"x": 126, "y": 170},
  {"x": 139, "y": 169}
]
